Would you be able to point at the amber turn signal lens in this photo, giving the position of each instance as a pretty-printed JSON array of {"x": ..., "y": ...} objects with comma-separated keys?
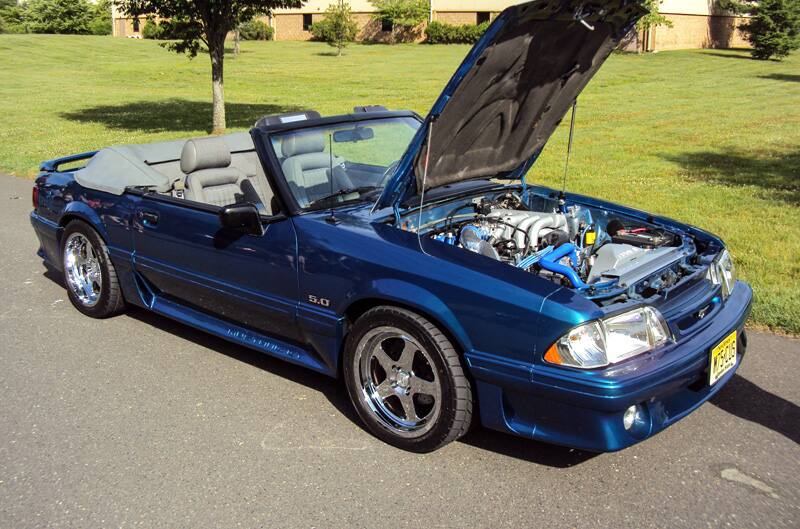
[{"x": 552, "y": 355}]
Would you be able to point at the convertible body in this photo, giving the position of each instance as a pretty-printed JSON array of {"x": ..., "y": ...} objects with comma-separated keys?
[{"x": 578, "y": 322}]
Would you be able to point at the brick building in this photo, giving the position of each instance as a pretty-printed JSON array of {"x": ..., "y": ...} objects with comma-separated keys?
[{"x": 695, "y": 23}]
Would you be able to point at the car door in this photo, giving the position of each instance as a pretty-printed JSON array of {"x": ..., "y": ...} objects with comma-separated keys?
[{"x": 183, "y": 255}]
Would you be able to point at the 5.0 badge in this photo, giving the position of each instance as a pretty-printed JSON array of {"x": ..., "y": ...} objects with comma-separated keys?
[{"x": 322, "y": 302}]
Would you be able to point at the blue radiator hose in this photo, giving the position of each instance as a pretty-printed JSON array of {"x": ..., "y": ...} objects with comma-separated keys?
[{"x": 550, "y": 262}]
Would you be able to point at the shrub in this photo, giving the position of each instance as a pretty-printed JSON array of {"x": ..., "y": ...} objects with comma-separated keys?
[
  {"x": 442, "y": 33},
  {"x": 101, "y": 18},
  {"x": 338, "y": 28},
  {"x": 14, "y": 19},
  {"x": 99, "y": 26},
  {"x": 164, "y": 30},
  {"x": 58, "y": 16},
  {"x": 152, "y": 30},
  {"x": 403, "y": 16},
  {"x": 255, "y": 30}
]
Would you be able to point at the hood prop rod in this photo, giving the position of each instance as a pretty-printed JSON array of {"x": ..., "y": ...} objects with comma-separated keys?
[
  {"x": 424, "y": 181},
  {"x": 562, "y": 195},
  {"x": 331, "y": 218}
]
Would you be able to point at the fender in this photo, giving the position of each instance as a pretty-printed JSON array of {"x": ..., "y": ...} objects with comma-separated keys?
[
  {"x": 81, "y": 210},
  {"x": 418, "y": 299}
]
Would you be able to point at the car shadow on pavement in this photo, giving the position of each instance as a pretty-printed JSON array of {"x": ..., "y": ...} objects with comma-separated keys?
[
  {"x": 335, "y": 392},
  {"x": 750, "y": 402},
  {"x": 332, "y": 389},
  {"x": 327, "y": 386},
  {"x": 526, "y": 449}
]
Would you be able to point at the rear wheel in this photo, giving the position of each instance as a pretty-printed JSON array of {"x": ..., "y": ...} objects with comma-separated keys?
[
  {"x": 89, "y": 275},
  {"x": 406, "y": 381}
]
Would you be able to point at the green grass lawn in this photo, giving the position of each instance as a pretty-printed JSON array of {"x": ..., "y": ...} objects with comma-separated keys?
[{"x": 707, "y": 137}]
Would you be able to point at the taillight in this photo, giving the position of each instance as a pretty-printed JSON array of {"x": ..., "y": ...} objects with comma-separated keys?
[{"x": 35, "y": 196}]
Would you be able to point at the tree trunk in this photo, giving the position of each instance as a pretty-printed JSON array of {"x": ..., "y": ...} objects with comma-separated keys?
[
  {"x": 217, "y": 53},
  {"x": 237, "y": 37}
]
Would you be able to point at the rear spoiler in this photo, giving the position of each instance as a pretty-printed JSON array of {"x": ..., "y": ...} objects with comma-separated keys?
[{"x": 51, "y": 166}]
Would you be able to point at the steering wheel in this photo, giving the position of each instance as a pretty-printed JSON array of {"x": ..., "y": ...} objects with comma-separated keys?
[{"x": 388, "y": 172}]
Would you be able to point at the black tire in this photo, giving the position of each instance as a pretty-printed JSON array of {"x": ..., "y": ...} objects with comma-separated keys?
[
  {"x": 110, "y": 301},
  {"x": 453, "y": 417}
]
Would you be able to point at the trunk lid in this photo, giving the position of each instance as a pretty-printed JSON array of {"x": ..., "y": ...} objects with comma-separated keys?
[{"x": 511, "y": 92}]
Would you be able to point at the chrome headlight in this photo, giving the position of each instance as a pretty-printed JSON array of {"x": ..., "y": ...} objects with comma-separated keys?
[
  {"x": 723, "y": 273},
  {"x": 610, "y": 340}
]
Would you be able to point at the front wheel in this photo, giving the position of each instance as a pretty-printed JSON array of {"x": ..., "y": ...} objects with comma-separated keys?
[
  {"x": 89, "y": 275},
  {"x": 406, "y": 381}
]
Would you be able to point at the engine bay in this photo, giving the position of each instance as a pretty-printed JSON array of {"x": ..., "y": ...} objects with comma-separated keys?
[{"x": 606, "y": 256}]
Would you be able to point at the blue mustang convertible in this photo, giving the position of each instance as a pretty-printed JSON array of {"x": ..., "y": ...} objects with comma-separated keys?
[{"x": 409, "y": 256}]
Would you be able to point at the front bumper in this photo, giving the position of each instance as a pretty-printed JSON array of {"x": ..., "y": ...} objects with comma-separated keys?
[{"x": 584, "y": 409}]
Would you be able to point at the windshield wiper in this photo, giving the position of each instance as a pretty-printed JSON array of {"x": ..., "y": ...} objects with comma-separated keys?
[{"x": 343, "y": 192}]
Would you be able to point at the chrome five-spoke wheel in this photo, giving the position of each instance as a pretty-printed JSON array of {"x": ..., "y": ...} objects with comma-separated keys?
[
  {"x": 405, "y": 380},
  {"x": 398, "y": 381},
  {"x": 82, "y": 269}
]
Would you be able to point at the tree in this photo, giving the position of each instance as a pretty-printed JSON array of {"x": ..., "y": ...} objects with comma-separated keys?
[
  {"x": 338, "y": 28},
  {"x": 773, "y": 28},
  {"x": 403, "y": 16},
  {"x": 237, "y": 40},
  {"x": 651, "y": 20},
  {"x": 203, "y": 25}
]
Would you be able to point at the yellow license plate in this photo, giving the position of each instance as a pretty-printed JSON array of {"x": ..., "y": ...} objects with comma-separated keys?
[{"x": 722, "y": 358}]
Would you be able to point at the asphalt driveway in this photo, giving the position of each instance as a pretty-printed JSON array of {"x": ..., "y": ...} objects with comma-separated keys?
[{"x": 139, "y": 421}]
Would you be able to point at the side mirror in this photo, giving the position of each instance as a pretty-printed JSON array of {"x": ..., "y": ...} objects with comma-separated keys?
[{"x": 242, "y": 218}]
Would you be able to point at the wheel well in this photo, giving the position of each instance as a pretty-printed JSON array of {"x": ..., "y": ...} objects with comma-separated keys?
[
  {"x": 69, "y": 217},
  {"x": 360, "y": 307}
]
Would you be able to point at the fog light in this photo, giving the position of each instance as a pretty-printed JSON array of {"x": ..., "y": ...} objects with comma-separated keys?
[{"x": 631, "y": 415}]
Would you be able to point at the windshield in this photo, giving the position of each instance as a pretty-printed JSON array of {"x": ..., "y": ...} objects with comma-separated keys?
[{"x": 342, "y": 163}]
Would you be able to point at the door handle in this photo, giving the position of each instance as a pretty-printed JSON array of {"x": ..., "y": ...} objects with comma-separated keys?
[{"x": 148, "y": 218}]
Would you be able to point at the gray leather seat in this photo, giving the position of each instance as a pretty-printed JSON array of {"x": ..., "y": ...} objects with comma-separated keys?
[
  {"x": 210, "y": 179},
  {"x": 307, "y": 167}
]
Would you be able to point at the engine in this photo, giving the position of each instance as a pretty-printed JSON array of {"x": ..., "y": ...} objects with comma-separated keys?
[{"x": 604, "y": 258}]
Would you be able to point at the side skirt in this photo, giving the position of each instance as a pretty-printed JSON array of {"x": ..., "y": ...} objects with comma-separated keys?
[{"x": 239, "y": 335}]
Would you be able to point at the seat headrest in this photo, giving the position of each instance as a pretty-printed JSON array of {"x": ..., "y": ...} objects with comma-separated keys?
[
  {"x": 302, "y": 144},
  {"x": 205, "y": 153},
  {"x": 213, "y": 177}
]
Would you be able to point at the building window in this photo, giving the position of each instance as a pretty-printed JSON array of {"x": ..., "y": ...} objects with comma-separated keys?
[
  {"x": 136, "y": 25},
  {"x": 387, "y": 25},
  {"x": 482, "y": 17},
  {"x": 308, "y": 19}
]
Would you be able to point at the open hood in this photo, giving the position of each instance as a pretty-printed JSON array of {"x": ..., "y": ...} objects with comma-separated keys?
[{"x": 511, "y": 92}]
